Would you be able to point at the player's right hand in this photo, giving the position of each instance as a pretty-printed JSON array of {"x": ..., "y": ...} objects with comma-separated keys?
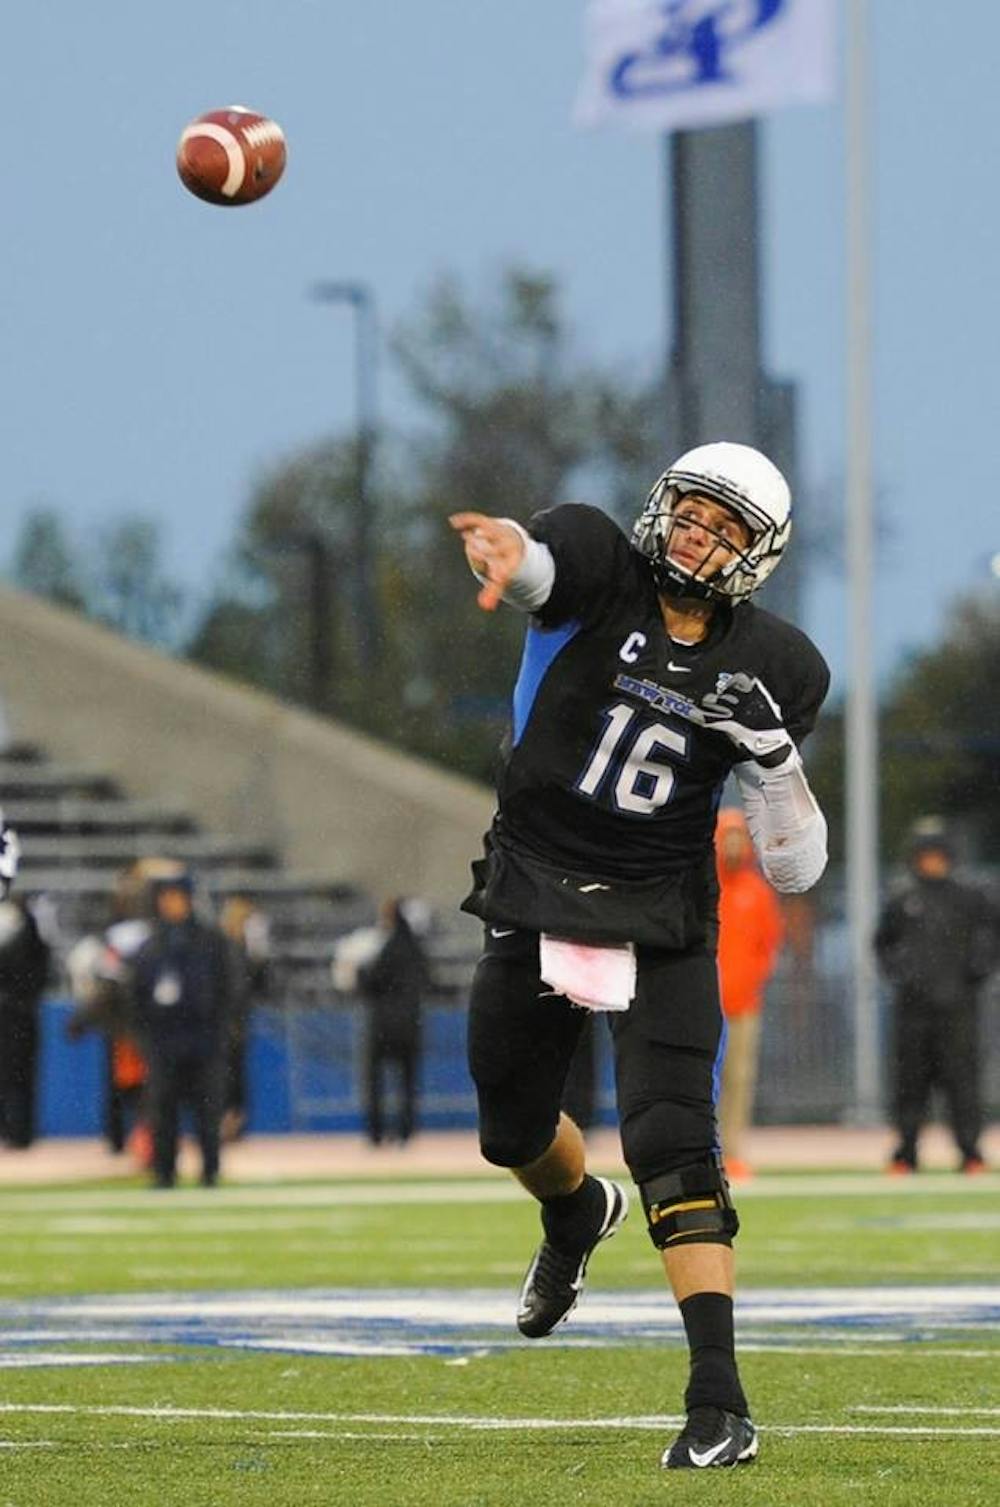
[{"x": 494, "y": 550}]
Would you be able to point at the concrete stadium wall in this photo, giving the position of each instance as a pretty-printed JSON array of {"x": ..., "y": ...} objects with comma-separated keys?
[{"x": 336, "y": 804}]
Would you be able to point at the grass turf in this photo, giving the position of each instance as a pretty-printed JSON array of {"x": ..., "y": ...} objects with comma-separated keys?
[
  {"x": 479, "y": 1234},
  {"x": 401, "y": 1429}
]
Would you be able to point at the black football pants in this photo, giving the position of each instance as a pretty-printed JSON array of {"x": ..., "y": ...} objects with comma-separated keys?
[
  {"x": 18, "y": 1073},
  {"x": 666, "y": 1049},
  {"x": 185, "y": 1077},
  {"x": 383, "y": 1055},
  {"x": 937, "y": 1050}
]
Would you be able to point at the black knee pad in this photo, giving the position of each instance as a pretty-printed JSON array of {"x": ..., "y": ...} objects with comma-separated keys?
[
  {"x": 503, "y": 1150},
  {"x": 690, "y": 1206},
  {"x": 654, "y": 1127}
]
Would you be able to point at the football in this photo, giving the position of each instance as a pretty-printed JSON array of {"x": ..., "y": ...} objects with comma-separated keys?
[{"x": 231, "y": 156}]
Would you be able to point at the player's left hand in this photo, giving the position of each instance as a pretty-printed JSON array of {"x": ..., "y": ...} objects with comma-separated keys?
[
  {"x": 746, "y": 712},
  {"x": 494, "y": 551},
  {"x": 10, "y": 855}
]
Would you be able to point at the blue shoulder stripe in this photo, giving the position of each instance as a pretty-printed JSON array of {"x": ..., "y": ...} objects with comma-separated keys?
[{"x": 541, "y": 646}]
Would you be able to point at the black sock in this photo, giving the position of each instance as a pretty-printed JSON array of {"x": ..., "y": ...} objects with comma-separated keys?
[
  {"x": 571, "y": 1220},
  {"x": 715, "y": 1381}
]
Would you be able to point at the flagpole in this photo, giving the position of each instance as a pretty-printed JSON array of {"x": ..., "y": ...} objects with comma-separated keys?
[{"x": 861, "y": 722}]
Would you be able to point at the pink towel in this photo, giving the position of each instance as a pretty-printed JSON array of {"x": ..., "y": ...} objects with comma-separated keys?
[{"x": 599, "y": 978}]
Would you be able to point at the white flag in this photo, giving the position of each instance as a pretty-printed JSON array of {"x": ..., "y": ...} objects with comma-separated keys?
[{"x": 668, "y": 65}]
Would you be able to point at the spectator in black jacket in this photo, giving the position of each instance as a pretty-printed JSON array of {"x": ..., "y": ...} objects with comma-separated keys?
[
  {"x": 936, "y": 942},
  {"x": 392, "y": 985},
  {"x": 183, "y": 995},
  {"x": 24, "y": 966}
]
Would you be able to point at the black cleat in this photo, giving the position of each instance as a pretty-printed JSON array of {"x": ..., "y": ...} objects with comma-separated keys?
[
  {"x": 554, "y": 1280},
  {"x": 712, "y": 1436}
]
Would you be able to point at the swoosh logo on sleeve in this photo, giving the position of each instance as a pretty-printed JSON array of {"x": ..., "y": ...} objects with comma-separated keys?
[
  {"x": 496, "y": 932},
  {"x": 679, "y": 669},
  {"x": 709, "y": 1454}
]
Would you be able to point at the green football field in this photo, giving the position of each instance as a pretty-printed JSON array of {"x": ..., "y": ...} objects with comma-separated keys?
[{"x": 352, "y": 1342}]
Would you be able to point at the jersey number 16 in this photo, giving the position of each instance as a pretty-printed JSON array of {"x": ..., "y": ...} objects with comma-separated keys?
[{"x": 642, "y": 784}]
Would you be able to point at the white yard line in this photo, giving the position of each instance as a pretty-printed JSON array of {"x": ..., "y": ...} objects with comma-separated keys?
[
  {"x": 907, "y": 1408},
  {"x": 260, "y": 1415},
  {"x": 485, "y": 1308},
  {"x": 19, "y": 1360},
  {"x": 777, "y": 1348},
  {"x": 470, "y": 1422},
  {"x": 470, "y": 1190},
  {"x": 306, "y": 1195},
  {"x": 876, "y": 1428},
  {"x": 347, "y": 1350},
  {"x": 295, "y": 1436}
]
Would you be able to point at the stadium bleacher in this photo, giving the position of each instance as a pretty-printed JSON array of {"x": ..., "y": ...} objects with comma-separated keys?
[{"x": 79, "y": 830}]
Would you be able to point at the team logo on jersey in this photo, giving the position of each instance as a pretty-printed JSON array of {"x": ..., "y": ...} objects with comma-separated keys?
[
  {"x": 659, "y": 697},
  {"x": 629, "y": 651}
]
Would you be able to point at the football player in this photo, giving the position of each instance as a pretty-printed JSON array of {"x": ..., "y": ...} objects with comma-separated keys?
[{"x": 647, "y": 678}]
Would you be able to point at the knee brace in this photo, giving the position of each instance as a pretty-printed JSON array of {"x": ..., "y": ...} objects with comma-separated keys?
[{"x": 689, "y": 1205}]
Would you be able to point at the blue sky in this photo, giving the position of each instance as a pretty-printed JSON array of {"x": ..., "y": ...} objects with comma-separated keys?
[{"x": 159, "y": 353}]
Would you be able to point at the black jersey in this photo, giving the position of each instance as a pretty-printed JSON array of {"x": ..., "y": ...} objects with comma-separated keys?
[{"x": 607, "y": 797}]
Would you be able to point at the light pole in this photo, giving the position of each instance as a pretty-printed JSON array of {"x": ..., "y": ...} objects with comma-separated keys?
[
  {"x": 314, "y": 550},
  {"x": 361, "y": 300},
  {"x": 861, "y": 722}
]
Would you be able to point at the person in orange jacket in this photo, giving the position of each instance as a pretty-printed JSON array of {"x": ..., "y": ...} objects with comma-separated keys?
[{"x": 751, "y": 931}]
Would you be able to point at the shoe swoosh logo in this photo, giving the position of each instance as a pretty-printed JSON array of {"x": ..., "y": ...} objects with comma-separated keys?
[
  {"x": 494, "y": 932},
  {"x": 709, "y": 1454},
  {"x": 679, "y": 669}
]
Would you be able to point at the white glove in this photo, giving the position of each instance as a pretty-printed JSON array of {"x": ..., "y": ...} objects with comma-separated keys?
[
  {"x": 10, "y": 854},
  {"x": 746, "y": 712}
]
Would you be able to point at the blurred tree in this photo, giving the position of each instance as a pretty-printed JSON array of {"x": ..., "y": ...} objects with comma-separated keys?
[
  {"x": 45, "y": 562},
  {"x": 119, "y": 580},
  {"x": 278, "y": 619},
  {"x": 519, "y": 424},
  {"x": 941, "y": 732},
  {"x": 510, "y": 427},
  {"x": 940, "y": 740},
  {"x": 130, "y": 591}
]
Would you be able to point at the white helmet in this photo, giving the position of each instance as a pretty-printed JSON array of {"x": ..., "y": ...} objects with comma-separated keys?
[{"x": 743, "y": 480}]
